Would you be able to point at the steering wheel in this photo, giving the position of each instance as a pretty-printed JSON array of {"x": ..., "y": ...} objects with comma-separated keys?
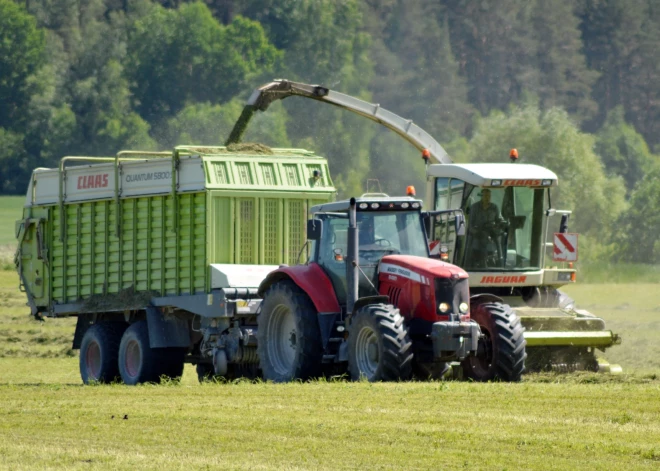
[
  {"x": 383, "y": 243},
  {"x": 370, "y": 255},
  {"x": 374, "y": 255}
]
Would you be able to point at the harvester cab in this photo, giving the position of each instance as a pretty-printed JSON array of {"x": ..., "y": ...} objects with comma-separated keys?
[
  {"x": 369, "y": 299},
  {"x": 517, "y": 248}
]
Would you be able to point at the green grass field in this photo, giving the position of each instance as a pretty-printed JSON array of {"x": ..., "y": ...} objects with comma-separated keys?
[
  {"x": 49, "y": 420},
  {"x": 11, "y": 210}
]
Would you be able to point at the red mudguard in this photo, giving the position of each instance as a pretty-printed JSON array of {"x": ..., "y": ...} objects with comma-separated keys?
[{"x": 312, "y": 280}]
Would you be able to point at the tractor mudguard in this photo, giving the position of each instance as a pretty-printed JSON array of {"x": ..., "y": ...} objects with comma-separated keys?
[
  {"x": 312, "y": 280},
  {"x": 485, "y": 298}
]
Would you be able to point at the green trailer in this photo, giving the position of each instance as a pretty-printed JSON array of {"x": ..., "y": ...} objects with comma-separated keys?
[{"x": 160, "y": 254}]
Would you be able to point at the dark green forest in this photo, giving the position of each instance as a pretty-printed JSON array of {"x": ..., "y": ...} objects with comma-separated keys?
[{"x": 574, "y": 85}]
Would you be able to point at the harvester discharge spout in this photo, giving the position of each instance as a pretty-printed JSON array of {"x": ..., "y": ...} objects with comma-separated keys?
[{"x": 263, "y": 96}]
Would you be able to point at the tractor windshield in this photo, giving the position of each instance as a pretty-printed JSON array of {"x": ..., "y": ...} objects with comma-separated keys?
[
  {"x": 390, "y": 232},
  {"x": 380, "y": 233}
]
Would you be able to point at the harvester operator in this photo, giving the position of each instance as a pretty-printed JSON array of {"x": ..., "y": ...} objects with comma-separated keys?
[{"x": 485, "y": 227}]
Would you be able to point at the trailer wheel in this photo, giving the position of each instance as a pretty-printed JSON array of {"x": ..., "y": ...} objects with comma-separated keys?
[
  {"x": 99, "y": 350},
  {"x": 139, "y": 363},
  {"x": 172, "y": 361},
  {"x": 501, "y": 353},
  {"x": 289, "y": 339},
  {"x": 379, "y": 348}
]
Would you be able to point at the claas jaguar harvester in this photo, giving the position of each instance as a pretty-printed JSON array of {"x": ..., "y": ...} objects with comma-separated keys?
[
  {"x": 369, "y": 300},
  {"x": 516, "y": 246},
  {"x": 160, "y": 255}
]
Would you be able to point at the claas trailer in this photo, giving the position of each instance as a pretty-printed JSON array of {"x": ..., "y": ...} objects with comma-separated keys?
[{"x": 159, "y": 255}]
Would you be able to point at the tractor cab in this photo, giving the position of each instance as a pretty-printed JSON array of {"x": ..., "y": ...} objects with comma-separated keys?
[{"x": 385, "y": 226}]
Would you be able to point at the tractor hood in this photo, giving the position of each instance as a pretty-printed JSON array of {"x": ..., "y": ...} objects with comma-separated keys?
[{"x": 419, "y": 268}]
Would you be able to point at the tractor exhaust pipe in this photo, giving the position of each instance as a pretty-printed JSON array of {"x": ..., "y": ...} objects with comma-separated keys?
[{"x": 352, "y": 275}]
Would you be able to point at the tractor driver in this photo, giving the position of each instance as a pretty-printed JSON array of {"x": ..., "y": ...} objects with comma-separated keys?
[
  {"x": 485, "y": 226},
  {"x": 367, "y": 235}
]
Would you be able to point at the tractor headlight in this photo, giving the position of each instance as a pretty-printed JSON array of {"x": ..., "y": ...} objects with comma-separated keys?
[
  {"x": 443, "y": 307},
  {"x": 463, "y": 307}
]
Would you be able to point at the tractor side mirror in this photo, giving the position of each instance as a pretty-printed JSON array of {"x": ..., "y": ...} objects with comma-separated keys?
[
  {"x": 563, "y": 225},
  {"x": 314, "y": 229}
]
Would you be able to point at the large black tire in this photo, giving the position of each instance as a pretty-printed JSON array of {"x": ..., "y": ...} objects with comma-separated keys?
[
  {"x": 379, "y": 348},
  {"x": 139, "y": 363},
  {"x": 501, "y": 354},
  {"x": 289, "y": 339},
  {"x": 99, "y": 350}
]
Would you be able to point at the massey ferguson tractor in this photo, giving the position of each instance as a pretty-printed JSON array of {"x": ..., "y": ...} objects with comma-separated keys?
[
  {"x": 509, "y": 220},
  {"x": 372, "y": 301}
]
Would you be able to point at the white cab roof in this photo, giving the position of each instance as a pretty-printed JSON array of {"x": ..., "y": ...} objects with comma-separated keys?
[{"x": 483, "y": 174}]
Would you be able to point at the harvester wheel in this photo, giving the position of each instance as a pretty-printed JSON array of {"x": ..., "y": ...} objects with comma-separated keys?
[
  {"x": 139, "y": 363},
  {"x": 379, "y": 348},
  {"x": 289, "y": 339},
  {"x": 99, "y": 350},
  {"x": 501, "y": 352}
]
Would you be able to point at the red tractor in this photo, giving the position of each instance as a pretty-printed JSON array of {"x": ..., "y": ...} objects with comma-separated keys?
[{"x": 369, "y": 301}]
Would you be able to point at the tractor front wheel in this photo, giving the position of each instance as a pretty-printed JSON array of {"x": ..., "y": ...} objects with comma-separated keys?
[
  {"x": 501, "y": 353},
  {"x": 289, "y": 339},
  {"x": 379, "y": 348}
]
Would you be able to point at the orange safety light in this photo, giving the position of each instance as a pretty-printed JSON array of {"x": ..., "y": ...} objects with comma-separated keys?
[
  {"x": 513, "y": 155},
  {"x": 570, "y": 264},
  {"x": 573, "y": 277},
  {"x": 410, "y": 191},
  {"x": 426, "y": 155}
]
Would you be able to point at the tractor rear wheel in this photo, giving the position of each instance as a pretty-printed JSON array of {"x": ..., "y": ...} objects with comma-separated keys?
[
  {"x": 289, "y": 339},
  {"x": 99, "y": 350},
  {"x": 379, "y": 348},
  {"x": 501, "y": 353}
]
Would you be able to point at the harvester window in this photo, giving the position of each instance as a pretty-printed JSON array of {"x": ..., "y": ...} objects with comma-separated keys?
[
  {"x": 500, "y": 225},
  {"x": 448, "y": 195}
]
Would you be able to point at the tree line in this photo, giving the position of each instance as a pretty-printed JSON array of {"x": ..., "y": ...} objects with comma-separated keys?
[{"x": 573, "y": 85}]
